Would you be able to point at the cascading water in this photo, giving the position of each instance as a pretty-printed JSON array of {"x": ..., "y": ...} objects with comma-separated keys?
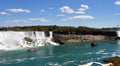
[
  {"x": 10, "y": 40},
  {"x": 118, "y": 33}
]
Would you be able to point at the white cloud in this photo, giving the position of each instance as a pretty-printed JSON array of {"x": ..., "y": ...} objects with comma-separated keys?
[
  {"x": 30, "y": 20},
  {"x": 117, "y": 3},
  {"x": 69, "y": 10},
  {"x": 82, "y": 9},
  {"x": 66, "y": 9},
  {"x": 42, "y": 10},
  {"x": 22, "y": 20},
  {"x": 60, "y": 15},
  {"x": 39, "y": 19},
  {"x": 84, "y": 6},
  {"x": 4, "y": 13},
  {"x": 81, "y": 17},
  {"x": 19, "y": 10},
  {"x": 80, "y": 12}
]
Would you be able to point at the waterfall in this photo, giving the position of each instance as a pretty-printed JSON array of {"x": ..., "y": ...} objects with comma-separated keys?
[
  {"x": 118, "y": 33},
  {"x": 10, "y": 40}
]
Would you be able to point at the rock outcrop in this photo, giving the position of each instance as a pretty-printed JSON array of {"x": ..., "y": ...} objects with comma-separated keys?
[
  {"x": 115, "y": 60},
  {"x": 77, "y": 38}
]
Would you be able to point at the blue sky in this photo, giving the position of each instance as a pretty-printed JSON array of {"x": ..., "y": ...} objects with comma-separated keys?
[{"x": 91, "y": 13}]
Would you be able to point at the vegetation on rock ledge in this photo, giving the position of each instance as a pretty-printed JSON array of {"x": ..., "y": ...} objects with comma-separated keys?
[{"x": 64, "y": 30}]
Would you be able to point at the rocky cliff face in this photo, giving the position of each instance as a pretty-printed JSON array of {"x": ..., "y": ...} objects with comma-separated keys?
[
  {"x": 114, "y": 60},
  {"x": 77, "y": 38}
]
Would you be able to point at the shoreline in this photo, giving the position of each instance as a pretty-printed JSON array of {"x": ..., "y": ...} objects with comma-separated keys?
[{"x": 81, "y": 38}]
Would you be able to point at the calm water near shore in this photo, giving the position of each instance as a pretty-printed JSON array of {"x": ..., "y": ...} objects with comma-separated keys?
[{"x": 66, "y": 55}]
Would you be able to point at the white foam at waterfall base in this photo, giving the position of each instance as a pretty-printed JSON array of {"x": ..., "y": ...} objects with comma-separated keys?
[
  {"x": 91, "y": 63},
  {"x": 10, "y": 40}
]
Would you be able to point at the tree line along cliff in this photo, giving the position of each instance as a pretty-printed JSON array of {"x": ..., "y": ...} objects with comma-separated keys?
[{"x": 64, "y": 30}]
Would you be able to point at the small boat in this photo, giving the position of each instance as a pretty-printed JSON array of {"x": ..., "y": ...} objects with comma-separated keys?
[{"x": 32, "y": 49}]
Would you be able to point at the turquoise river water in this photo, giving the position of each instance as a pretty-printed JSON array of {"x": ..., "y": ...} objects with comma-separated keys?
[{"x": 67, "y": 55}]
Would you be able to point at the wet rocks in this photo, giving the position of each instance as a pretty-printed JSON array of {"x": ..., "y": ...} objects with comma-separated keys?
[
  {"x": 115, "y": 60},
  {"x": 28, "y": 39},
  {"x": 59, "y": 39},
  {"x": 93, "y": 44}
]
